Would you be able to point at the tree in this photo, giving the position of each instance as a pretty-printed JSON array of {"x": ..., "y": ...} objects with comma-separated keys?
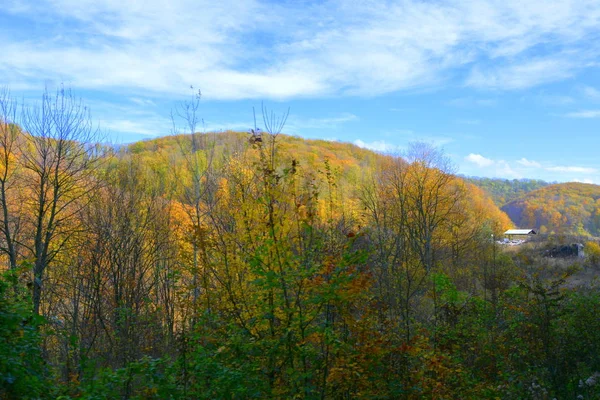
[
  {"x": 22, "y": 370},
  {"x": 59, "y": 166},
  {"x": 433, "y": 199},
  {"x": 197, "y": 186},
  {"x": 9, "y": 136},
  {"x": 411, "y": 204}
]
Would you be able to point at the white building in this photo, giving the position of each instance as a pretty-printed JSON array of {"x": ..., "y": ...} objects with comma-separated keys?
[{"x": 519, "y": 233}]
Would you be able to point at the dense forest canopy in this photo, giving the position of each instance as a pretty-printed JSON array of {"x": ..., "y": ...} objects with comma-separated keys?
[
  {"x": 259, "y": 265},
  {"x": 559, "y": 208},
  {"x": 503, "y": 191}
]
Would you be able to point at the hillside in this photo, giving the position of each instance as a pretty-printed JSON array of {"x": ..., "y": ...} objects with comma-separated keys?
[
  {"x": 560, "y": 208},
  {"x": 346, "y": 160},
  {"x": 503, "y": 191},
  {"x": 351, "y": 167},
  {"x": 248, "y": 259}
]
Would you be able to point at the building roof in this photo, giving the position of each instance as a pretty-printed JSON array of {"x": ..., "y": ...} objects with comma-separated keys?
[{"x": 520, "y": 232}]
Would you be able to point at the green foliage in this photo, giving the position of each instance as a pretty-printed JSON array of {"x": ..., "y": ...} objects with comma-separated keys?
[
  {"x": 147, "y": 378},
  {"x": 212, "y": 366},
  {"x": 504, "y": 191},
  {"x": 209, "y": 267},
  {"x": 23, "y": 372}
]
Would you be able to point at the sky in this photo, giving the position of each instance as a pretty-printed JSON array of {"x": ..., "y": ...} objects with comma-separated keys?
[{"x": 508, "y": 88}]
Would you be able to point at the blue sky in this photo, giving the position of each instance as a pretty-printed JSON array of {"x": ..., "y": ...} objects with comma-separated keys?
[{"x": 509, "y": 88}]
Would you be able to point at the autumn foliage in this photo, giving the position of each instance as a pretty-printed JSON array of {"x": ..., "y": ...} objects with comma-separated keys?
[
  {"x": 267, "y": 266},
  {"x": 572, "y": 208}
]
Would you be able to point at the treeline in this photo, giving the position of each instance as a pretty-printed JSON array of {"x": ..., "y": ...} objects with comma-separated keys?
[
  {"x": 504, "y": 191},
  {"x": 233, "y": 266}
]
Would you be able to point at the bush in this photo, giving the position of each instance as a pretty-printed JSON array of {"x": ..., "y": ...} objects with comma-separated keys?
[
  {"x": 592, "y": 253},
  {"x": 22, "y": 370}
]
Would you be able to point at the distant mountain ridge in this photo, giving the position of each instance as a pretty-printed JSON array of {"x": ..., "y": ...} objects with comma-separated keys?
[{"x": 504, "y": 191}]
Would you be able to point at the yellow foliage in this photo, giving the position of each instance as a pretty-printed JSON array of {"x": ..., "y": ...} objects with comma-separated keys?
[{"x": 592, "y": 252}]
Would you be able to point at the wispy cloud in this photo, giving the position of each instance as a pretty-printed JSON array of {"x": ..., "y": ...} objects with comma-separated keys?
[
  {"x": 298, "y": 125},
  {"x": 524, "y": 74},
  {"x": 531, "y": 169},
  {"x": 380, "y": 146},
  {"x": 590, "y": 181},
  {"x": 248, "y": 49},
  {"x": 499, "y": 168},
  {"x": 128, "y": 126},
  {"x": 555, "y": 100},
  {"x": 324, "y": 123},
  {"x": 591, "y": 92},
  {"x": 406, "y": 136},
  {"x": 583, "y": 170},
  {"x": 142, "y": 102},
  {"x": 584, "y": 114},
  {"x": 529, "y": 163},
  {"x": 479, "y": 160}
]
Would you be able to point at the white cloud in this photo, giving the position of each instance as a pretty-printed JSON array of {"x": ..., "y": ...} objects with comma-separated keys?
[
  {"x": 142, "y": 102},
  {"x": 591, "y": 92},
  {"x": 528, "y": 163},
  {"x": 584, "y": 114},
  {"x": 325, "y": 123},
  {"x": 498, "y": 168},
  {"x": 525, "y": 74},
  {"x": 505, "y": 169},
  {"x": 296, "y": 125},
  {"x": 555, "y": 100},
  {"x": 585, "y": 180},
  {"x": 479, "y": 160},
  {"x": 128, "y": 126},
  {"x": 378, "y": 145},
  {"x": 530, "y": 169},
  {"x": 406, "y": 136},
  {"x": 246, "y": 49}
]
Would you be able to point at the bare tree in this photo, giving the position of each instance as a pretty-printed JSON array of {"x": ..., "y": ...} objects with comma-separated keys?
[
  {"x": 412, "y": 203},
  {"x": 198, "y": 191},
  {"x": 432, "y": 197},
  {"x": 59, "y": 165},
  {"x": 9, "y": 135}
]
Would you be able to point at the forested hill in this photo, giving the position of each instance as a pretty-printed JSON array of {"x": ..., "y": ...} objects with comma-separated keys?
[
  {"x": 236, "y": 265},
  {"x": 346, "y": 165},
  {"x": 345, "y": 160},
  {"x": 503, "y": 191},
  {"x": 560, "y": 208}
]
